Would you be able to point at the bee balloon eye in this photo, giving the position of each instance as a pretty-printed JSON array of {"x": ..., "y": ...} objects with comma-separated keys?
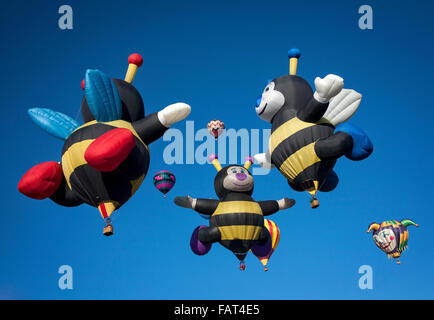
[{"x": 234, "y": 170}]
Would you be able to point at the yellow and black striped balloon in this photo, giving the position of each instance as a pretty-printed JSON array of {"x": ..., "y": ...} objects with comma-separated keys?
[
  {"x": 95, "y": 187},
  {"x": 240, "y": 220},
  {"x": 292, "y": 149}
]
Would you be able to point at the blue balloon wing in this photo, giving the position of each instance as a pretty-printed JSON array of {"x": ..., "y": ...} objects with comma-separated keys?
[
  {"x": 55, "y": 123},
  {"x": 362, "y": 145},
  {"x": 102, "y": 96}
]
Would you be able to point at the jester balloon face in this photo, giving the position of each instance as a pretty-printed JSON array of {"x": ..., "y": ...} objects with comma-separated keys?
[
  {"x": 386, "y": 240},
  {"x": 238, "y": 179},
  {"x": 391, "y": 236}
]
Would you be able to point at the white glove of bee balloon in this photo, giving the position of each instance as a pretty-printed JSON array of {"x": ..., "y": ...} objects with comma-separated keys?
[
  {"x": 285, "y": 203},
  {"x": 263, "y": 160},
  {"x": 186, "y": 202},
  {"x": 173, "y": 113},
  {"x": 328, "y": 87}
]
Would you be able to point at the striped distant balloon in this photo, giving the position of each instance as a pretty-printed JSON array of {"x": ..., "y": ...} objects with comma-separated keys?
[
  {"x": 164, "y": 181},
  {"x": 263, "y": 253},
  {"x": 215, "y": 128}
]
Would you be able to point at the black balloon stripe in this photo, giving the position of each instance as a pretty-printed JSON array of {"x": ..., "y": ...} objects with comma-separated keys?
[
  {"x": 237, "y": 219},
  {"x": 300, "y": 139}
]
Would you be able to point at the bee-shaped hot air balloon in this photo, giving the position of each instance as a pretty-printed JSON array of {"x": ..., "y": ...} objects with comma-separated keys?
[
  {"x": 236, "y": 219},
  {"x": 308, "y": 134},
  {"x": 391, "y": 236},
  {"x": 105, "y": 160}
]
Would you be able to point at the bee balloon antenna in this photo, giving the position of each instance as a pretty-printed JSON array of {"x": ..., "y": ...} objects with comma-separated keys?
[
  {"x": 135, "y": 60},
  {"x": 293, "y": 55},
  {"x": 213, "y": 158}
]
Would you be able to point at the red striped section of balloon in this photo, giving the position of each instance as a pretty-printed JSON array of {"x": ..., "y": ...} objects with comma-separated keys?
[{"x": 215, "y": 128}]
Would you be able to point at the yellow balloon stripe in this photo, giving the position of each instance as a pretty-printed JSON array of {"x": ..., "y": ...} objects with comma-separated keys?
[
  {"x": 274, "y": 232},
  {"x": 264, "y": 261},
  {"x": 277, "y": 237},
  {"x": 298, "y": 161}
]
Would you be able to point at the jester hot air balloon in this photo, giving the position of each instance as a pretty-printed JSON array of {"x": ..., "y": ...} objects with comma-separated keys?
[
  {"x": 104, "y": 161},
  {"x": 308, "y": 129},
  {"x": 164, "y": 181},
  {"x": 263, "y": 253},
  {"x": 391, "y": 236},
  {"x": 215, "y": 128},
  {"x": 236, "y": 219}
]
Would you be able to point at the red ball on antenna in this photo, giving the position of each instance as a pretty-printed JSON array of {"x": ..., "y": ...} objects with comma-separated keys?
[
  {"x": 82, "y": 84},
  {"x": 136, "y": 59}
]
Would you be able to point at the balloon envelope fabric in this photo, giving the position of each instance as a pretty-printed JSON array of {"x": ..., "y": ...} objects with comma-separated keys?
[{"x": 164, "y": 181}]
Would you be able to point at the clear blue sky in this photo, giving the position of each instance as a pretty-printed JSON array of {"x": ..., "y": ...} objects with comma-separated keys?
[{"x": 217, "y": 56}]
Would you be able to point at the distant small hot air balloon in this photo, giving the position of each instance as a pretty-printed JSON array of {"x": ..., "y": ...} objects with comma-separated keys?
[
  {"x": 215, "y": 128},
  {"x": 263, "y": 253},
  {"x": 164, "y": 181}
]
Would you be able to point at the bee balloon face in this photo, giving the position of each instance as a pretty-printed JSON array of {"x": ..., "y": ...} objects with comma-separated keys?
[
  {"x": 238, "y": 179},
  {"x": 270, "y": 102},
  {"x": 386, "y": 240},
  {"x": 232, "y": 178}
]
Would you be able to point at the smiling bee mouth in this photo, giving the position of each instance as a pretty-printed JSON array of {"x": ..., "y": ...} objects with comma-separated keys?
[
  {"x": 240, "y": 185},
  {"x": 263, "y": 109}
]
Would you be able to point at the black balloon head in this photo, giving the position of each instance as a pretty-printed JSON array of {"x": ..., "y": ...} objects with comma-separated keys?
[
  {"x": 296, "y": 90},
  {"x": 132, "y": 103},
  {"x": 219, "y": 187}
]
